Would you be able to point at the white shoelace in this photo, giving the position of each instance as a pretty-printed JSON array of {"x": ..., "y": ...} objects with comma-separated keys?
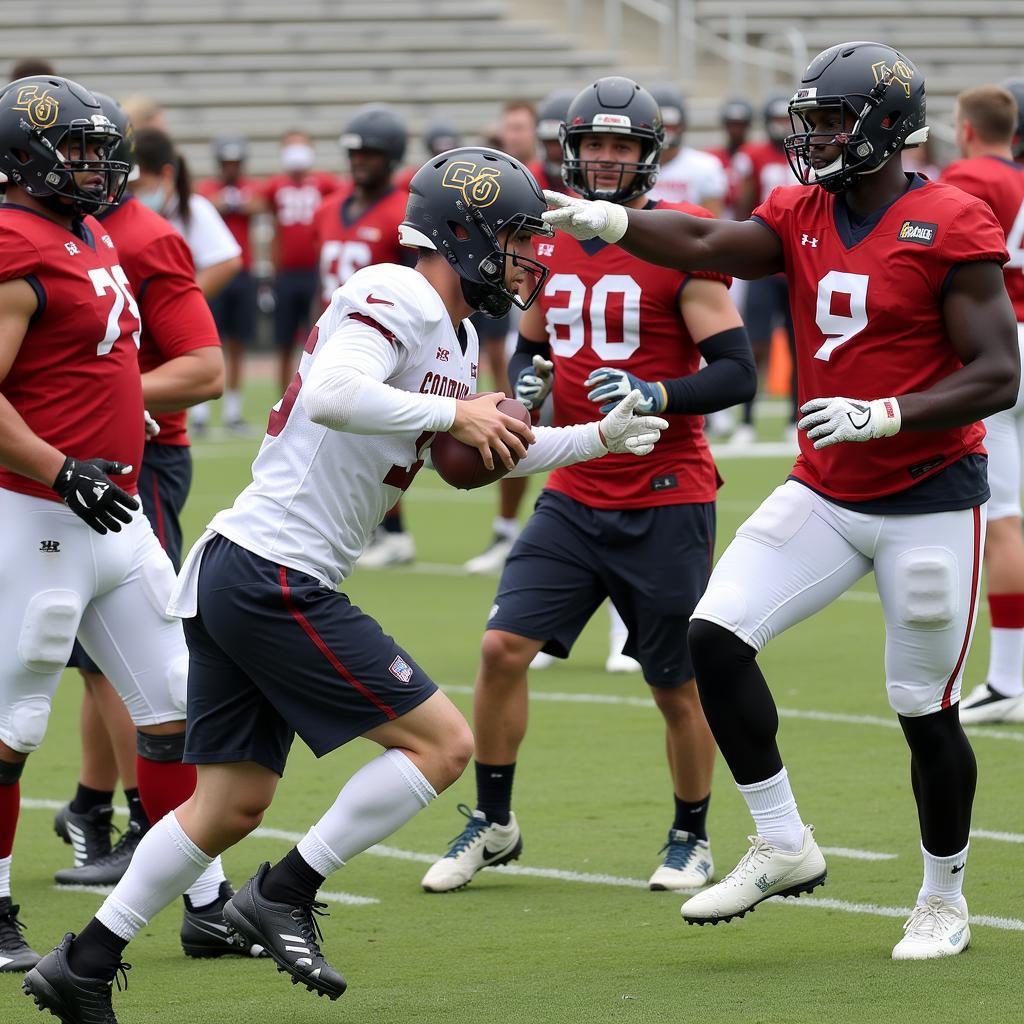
[
  {"x": 760, "y": 851},
  {"x": 929, "y": 920}
]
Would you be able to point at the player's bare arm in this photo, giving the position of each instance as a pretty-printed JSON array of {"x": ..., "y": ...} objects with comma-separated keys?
[
  {"x": 192, "y": 377},
  {"x": 20, "y": 449},
  {"x": 216, "y": 277},
  {"x": 670, "y": 238}
]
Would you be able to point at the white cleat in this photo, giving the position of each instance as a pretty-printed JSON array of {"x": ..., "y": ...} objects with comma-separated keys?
[
  {"x": 388, "y": 549},
  {"x": 987, "y": 705},
  {"x": 744, "y": 436},
  {"x": 542, "y": 661},
  {"x": 764, "y": 871},
  {"x": 481, "y": 844},
  {"x": 619, "y": 663},
  {"x": 493, "y": 557},
  {"x": 935, "y": 928},
  {"x": 687, "y": 864}
]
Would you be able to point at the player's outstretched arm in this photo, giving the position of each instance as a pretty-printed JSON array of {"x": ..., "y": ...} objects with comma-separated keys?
[
  {"x": 670, "y": 238},
  {"x": 981, "y": 325}
]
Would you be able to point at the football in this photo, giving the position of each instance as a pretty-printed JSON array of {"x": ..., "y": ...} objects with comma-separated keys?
[{"x": 460, "y": 465}]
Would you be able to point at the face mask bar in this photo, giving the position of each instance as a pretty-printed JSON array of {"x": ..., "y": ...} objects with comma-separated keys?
[
  {"x": 492, "y": 267},
  {"x": 575, "y": 170},
  {"x": 79, "y": 137},
  {"x": 855, "y": 150}
]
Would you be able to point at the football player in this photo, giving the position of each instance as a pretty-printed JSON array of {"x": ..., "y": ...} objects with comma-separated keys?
[
  {"x": 75, "y": 558},
  {"x": 607, "y": 323},
  {"x": 906, "y": 339},
  {"x": 358, "y": 227},
  {"x": 735, "y": 117},
  {"x": 986, "y": 121},
  {"x": 275, "y": 648}
]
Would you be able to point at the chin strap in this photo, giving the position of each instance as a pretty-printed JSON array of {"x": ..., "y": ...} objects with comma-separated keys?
[{"x": 488, "y": 299}]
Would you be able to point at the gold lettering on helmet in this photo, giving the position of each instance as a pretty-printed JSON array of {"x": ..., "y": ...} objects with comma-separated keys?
[
  {"x": 898, "y": 73},
  {"x": 42, "y": 109},
  {"x": 480, "y": 186}
]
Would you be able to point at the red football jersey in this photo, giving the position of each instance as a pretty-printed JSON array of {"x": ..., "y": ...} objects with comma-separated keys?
[
  {"x": 175, "y": 316},
  {"x": 237, "y": 222},
  {"x": 75, "y": 380},
  {"x": 868, "y": 321},
  {"x": 1000, "y": 183},
  {"x": 768, "y": 165},
  {"x": 604, "y": 307},
  {"x": 294, "y": 200},
  {"x": 346, "y": 246},
  {"x": 725, "y": 158}
]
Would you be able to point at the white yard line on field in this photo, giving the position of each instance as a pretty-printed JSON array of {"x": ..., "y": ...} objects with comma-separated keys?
[
  {"x": 999, "y": 837},
  {"x": 615, "y": 881}
]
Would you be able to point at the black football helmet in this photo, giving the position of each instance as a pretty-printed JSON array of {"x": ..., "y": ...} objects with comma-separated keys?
[
  {"x": 458, "y": 203},
  {"x": 439, "y": 136},
  {"x": 551, "y": 112},
  {"x": 1015, "y": 86},
  {"x": 673, "y": 110},
  {"x": 777, "y": 124},
  {"x": 125, "y": 149},
  {"x": 881, "y": 95},
  {"x": 376, "y": 127},
  {"x": 46, "y": 125},
  {"x": 229, "y": 148},
  {"x": 613, "y": 105},
  {"x": 738, "y": 110}
]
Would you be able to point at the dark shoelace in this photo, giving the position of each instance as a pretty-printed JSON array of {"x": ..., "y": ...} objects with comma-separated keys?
[
  {"x": 306, "y": 918},
  {"x": 130, "y": 837},
  {"x": 11, "y": 929},
  {"x": 679, "y": 852},
  {"x": 469, "y": 834}
]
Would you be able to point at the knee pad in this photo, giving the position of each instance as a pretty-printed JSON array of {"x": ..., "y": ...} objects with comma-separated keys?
[
  {"x": 48, "y": 630},
  {"x": 927, "y": 588},
  {"x": 911, "y": 700},
  {"x": 10, "y": 772},
  {"x": 26, "y": 723},
  {"x": 166, "y": 749}
]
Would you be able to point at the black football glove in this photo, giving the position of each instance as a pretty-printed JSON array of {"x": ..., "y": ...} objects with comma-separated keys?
[{"x": 87, "y": 490}]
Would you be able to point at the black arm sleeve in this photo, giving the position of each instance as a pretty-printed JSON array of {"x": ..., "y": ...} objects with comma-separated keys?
[
  {"x": 523, "y": 356},
  {"x": 729, "y": 378}
]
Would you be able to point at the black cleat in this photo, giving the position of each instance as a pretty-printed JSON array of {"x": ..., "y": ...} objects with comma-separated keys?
[
  {"x": 88, "y": 834},
  {"x": 205, "y": 933},
  {"x": 108, "y": 868},
  {"x": 288, "y": 933},
  {"x": 68, "y": 996},
  {"x": 16, "y": 955}
]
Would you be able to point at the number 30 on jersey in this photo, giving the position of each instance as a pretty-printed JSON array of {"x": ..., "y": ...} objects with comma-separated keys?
[{"x": 611, "y": 310}]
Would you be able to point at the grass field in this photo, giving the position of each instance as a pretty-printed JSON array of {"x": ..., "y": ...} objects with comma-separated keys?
[{"x": 571, "y": 934}]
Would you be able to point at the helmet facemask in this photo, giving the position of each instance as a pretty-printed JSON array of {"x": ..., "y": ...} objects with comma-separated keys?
[{"x": 576, "y": 171}]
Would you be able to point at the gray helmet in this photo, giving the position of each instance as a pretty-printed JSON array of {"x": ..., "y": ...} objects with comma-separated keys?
[
  {"x": 439, "y": 136},
  {"x": 551, "y": 113},
  {"x": 673, "y": 110},
  {"x": 376, "y": 127},
  {"x": 230, "y": 147}
]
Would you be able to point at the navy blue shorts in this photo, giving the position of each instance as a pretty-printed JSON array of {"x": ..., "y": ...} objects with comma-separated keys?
[
  {"x": 234, "y": 309},
  {"x": 165, "y": 478},
  {"x": 273, "y": 652},
  {"x": 294, "y": 291},
  {"x": 767, "y": 307},
  {"x": 654, "y": 564}
]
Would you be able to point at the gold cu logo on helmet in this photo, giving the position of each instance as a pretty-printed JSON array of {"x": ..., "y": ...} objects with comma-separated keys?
[
  {"x": 479, "y": 187},
  {"x": 41, "y": 107},
  {"x": 899, "y": 73}
]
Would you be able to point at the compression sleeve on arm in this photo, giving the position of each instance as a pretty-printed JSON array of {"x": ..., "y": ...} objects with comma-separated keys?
[
  {"x": 345, "y": 389},
  {"x": 523, "y": 355},
  {"x": 729, "y": 378},
  {"x": 561, "y": 446}
]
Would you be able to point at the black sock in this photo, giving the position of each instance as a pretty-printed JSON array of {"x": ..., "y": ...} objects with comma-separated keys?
[
  {"x": 494, "y": 791},
  {"x": 291, "y": 880},
  {"x": 392, "y": 523},
  {"x": 692, "y": 817},
  {"x": 136, "y": 812},
  {"x": 86, "y": 799},
  {"x": 97, "y": 951}
]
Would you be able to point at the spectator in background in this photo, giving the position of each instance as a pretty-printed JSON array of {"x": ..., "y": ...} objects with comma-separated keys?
[
  {"x": 164, "y": 185},
  {"x": 145, "y": 113},
  {"x": 517, "y": 130},
  {"x": 687, "y": 175},
  {"x": 736, "y": 117},
  {"x": 236, "y": 198},
  {"x": 293, "y": 197}
]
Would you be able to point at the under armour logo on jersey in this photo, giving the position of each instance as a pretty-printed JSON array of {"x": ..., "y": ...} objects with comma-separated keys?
[
  {"x": 442, "y": 355},
  {"x": 545, "y": 249},
  {"x": 51, "y": 547},
  {"x": 401, "y": 670},
  {"x": 807, "y": 240},
  {"x": 72, "y": 249}
]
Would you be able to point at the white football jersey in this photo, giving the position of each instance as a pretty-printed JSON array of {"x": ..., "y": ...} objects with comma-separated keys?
[
  {"x": 317, "y": 494},
  {"x": 692, "y": 176}
]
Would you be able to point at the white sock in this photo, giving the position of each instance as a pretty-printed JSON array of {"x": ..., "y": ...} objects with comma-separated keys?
[
  {"x": 617, "y": 633},
  {"x": 199, "y": 415},
  {"x": 165, "y": 864},
  {"x": 232, "y": 405},
  {"x": 775, "y": 813},
  {"x": 207, "y": 887},
  {"x": 507, "y": 529},
  {"x": 1006, "y": 662},
  {"x": 944, "y": 876},
  {"x": 378, "y": 800},
  {"x": 5, "y": 876}
]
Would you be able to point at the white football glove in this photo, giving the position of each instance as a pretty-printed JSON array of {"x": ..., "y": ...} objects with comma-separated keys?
[
  {"x": 585, "y": 219},
  {"x": 152, "y": 427},
  {"x": 623, "y": 432},
  {"x": 534, "y": 385},
  {"x": 834, "y": 420}
]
